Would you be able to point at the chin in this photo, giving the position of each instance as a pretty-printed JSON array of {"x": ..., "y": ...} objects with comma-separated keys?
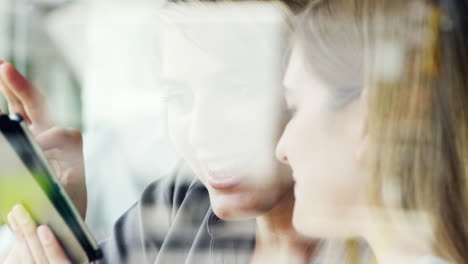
[
  {"x": 237, "y": 206},
  {"x": 234, "y": 213},
  {"x": 228, "y": 214}
]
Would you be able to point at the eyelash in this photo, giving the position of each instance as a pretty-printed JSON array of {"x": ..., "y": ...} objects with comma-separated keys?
[
  {"x": 339, "y": 98},
  {"x": 291, "y": 111}
]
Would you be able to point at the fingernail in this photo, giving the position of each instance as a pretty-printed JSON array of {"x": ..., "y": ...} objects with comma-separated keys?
[
  {"x": 44, "y": 235},
  {"x": 3, "y": 65},
  {"x": 12, "y": 222},
  {"x": 21, "y": 215}
]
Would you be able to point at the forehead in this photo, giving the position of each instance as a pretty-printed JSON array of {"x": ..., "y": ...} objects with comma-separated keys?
[
  {"x": 201, "y": 40},
  {"x": 193, "y": 53},
  {"x": 183, "y": 59},
  {"x": 297, "y": 76}
]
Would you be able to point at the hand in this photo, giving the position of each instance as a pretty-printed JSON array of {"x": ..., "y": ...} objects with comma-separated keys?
[
  {"x": 63, "y": 147},
  {"x": 33, "y": 244}
]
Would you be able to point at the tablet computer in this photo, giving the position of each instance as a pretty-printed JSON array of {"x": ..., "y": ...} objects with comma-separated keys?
[{"x": 27, "y": 179}]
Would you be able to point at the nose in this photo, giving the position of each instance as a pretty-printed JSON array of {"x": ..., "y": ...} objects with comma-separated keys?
[{"x": 281, "y": 154}]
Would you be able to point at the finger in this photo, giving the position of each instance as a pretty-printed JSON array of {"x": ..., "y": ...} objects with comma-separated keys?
[
  {"x": 52, "y": 248},
  {"x": 28, "y": 231},
  {"x": 14, "y": 105},
  {"x": 20, "y": 251},
  {"x": 53, "y": 156},
  {"x": 59, "y": 137},
  {"x": 28, "y": 95},
  {"x": 70, "y": 174},
  {"x": 1, "y": 112},
  {"x": 14, "y": 226}
]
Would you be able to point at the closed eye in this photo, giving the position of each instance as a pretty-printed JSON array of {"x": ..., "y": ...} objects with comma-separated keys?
[
  {"x": 291, "y": 111},
  {"x": 340, "y": 97},
  {"x": 291, "y": 107}
]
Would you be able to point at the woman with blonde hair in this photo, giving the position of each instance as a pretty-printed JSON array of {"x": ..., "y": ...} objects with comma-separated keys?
[{"x": 389, "y": 160}]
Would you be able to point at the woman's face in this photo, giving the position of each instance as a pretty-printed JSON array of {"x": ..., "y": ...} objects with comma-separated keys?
[
  {"x": 320, "y": 143},
  {"x": 225, "y": 116}
]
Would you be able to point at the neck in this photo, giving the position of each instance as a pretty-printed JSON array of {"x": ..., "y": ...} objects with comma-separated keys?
[
  {"x": 399, "y": 245},
  {"x": 276, "y": 237}
]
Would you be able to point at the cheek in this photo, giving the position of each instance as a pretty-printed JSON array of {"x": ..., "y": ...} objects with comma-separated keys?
[
  {"x": 329, "y": 184},
  {"x": 323, "y": 144},
  {"x": 178, "y": 127},
  {"x": 304, "y": 138}
]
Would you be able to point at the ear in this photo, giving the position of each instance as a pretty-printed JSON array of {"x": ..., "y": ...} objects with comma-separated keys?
[{"x": 364, "y": 135}]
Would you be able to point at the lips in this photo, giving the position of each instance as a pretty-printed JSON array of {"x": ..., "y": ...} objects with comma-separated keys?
[{"x": 222, "y": 180}]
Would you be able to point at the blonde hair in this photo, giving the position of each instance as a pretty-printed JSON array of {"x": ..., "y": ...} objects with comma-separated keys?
[{"x": 417, "y": 79}]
